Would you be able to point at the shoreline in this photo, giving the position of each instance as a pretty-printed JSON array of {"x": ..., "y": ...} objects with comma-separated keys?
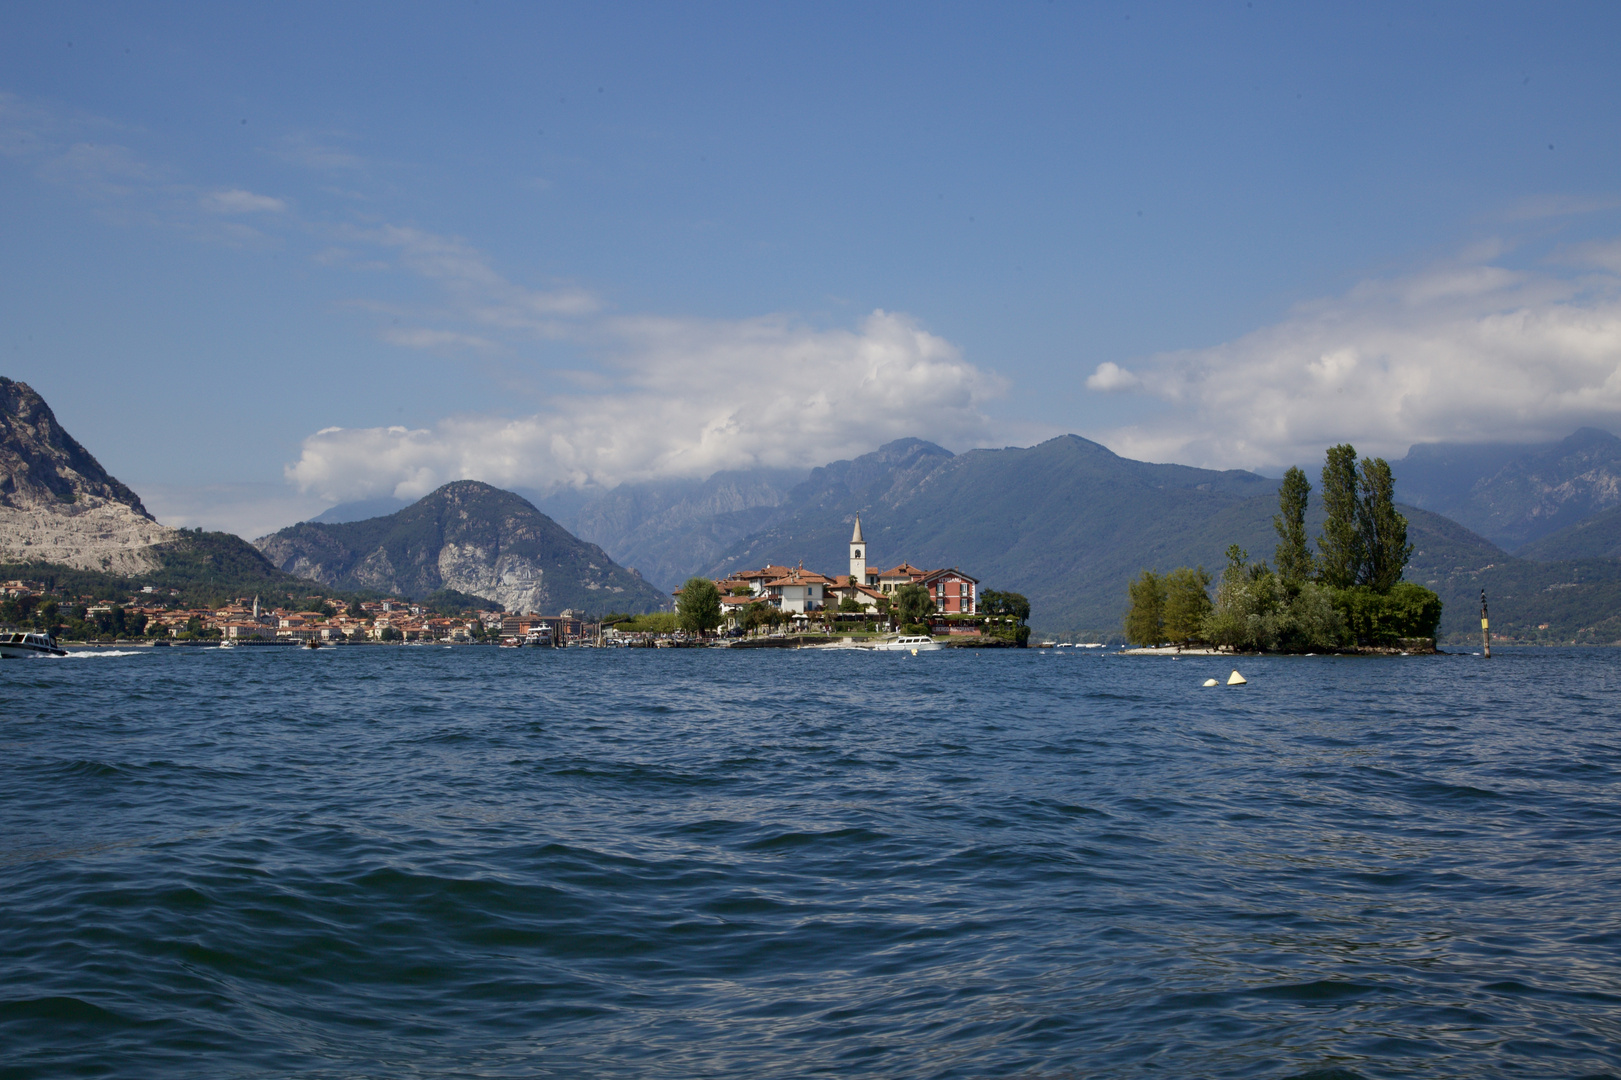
[{"x": 1407, "y": 647}]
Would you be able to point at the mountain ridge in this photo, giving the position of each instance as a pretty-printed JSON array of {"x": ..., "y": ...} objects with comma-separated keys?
[
  {"x": 1515, "y": 495},
  {"x": 57, "y": 504},
  {"x": 470, "y": 537}
]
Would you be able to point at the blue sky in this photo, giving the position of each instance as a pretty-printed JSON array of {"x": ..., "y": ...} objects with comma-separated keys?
[{"x": 592, "y": 244}]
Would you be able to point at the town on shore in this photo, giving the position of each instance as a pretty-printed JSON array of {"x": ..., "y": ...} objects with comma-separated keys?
[
  {"x": 863, "y": 602},
  {"x": 773, "y": 602}
]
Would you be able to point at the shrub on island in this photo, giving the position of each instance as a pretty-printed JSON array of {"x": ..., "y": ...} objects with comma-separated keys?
[{"x": 1349, "y": 593}]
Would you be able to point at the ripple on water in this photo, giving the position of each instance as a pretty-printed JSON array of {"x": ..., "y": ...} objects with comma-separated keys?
[{"x": 445, "y": 863}]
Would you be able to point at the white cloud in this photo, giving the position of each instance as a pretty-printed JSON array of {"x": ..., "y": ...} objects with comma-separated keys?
[
  {"x": 1468, "y": 351},
  {"x": 237, "y": 201},
  {"x": 465, "y": 271},
  {"x": 1110, "y": 377},
  {"x": 688, "y": 397}
]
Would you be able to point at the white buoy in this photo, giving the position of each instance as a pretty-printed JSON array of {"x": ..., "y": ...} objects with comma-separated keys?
[
  {"x": 1211, "y": 682},
  {"x": 1235, "y": 679}
]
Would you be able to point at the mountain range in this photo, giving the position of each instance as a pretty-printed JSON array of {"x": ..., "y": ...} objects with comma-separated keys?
[
  {"x": 1067, "y": 522},
  {"x": 1514, "y": 495},
  {"x": 64, "y": 520}
]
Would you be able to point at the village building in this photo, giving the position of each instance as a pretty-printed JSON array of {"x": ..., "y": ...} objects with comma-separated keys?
[{"x": 796, "y": 591}]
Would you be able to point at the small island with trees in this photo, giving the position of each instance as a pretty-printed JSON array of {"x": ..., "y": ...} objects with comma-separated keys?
[{"x": 1348, "y": 596}]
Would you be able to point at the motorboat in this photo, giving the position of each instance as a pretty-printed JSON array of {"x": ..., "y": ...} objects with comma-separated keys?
[
  {"x": 19, "y": 645},
  {"x": 909, "y": 643}
]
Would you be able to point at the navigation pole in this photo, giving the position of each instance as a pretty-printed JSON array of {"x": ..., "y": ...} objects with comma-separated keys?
[{"x": 1485, "y": 628}]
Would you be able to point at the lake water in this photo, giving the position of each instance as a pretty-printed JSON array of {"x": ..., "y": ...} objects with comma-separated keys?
[{"x": 429, "y": 862}]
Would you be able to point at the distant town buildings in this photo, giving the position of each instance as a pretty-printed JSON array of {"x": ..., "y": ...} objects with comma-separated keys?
[
  {"x": 244, "y": 620},
  {"x": 795, "y": 591}
]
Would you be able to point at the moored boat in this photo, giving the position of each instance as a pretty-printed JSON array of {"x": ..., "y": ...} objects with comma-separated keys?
[{"x": 909, "y": 643}]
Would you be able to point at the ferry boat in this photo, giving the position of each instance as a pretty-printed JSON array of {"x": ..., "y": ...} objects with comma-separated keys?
[
  {"x": 909, "y": 643},
  {"x": 18, "y": 646}
]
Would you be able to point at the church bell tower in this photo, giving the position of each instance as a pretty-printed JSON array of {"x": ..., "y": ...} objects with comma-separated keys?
[{"x": 858, "y": 556}]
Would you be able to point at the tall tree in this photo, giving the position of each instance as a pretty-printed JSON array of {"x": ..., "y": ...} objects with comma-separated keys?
[
  {"x": 1145, "y": 619},
  {"x": 698, "y": 610},
  {"x": 1293, "y": 557},
  {"x": 913, "y": 602},
  {"x": 1187, "y": 603},
  {"x": 1383, "y": 530},
  {"x": 1004, "y": 604},
  {"x": 1340, "y": 553}
]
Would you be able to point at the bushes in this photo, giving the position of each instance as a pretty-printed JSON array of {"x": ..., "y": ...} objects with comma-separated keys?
[
  {"x": 1349, "y": 593},
  {"x": 1372, "y": 618},
  {"x": 1257, "y": 611},
  {"x": 1260, "y": 612}
]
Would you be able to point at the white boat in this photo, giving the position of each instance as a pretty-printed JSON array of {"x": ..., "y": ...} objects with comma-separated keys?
[
  {"x": 18, "y": 646},
  {"x": 909, "y": 643}
]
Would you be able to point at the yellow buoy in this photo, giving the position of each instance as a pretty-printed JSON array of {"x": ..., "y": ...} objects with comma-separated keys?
[
  {"x": 914, "y": 652},
  {"x": 1211, "y": 682},
  {"x": 1235, "y": 679}
]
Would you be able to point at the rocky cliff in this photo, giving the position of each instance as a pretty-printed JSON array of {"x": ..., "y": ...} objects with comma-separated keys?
[
  {"x": 57, "y": 504},
  {"x": 469, "y": 537},
  {"x": 1515, "y": 495}
]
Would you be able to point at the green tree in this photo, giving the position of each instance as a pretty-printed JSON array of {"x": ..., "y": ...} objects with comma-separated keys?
[
  {"x": 1145, "y": 618},
  {"x": 912, "y": 602},
  {"x": 698, "y": 610},
  {"x": 1340, "y": 554},
  {"x": 849, "y": 606},
  {"x": 1187, "y": 603},
  {"x": 1293, "y": 556},
  {"x": 1383, "y": 529},
  {"x": 1373, "y": 618},
  {"x": 355, "y": 610},
  {"x": 755, "y": 616},
  {"x": 1004, "y": 604}
]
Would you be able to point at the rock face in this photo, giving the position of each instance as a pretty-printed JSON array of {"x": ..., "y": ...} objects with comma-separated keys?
[
  {"x": 1515, "y": 495},
  {"x": 57, "y": 504},
  {"x": 469, "y": 537}
]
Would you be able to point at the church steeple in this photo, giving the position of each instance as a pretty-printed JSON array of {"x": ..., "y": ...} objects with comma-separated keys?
[{"x": 858, "y": 556}]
